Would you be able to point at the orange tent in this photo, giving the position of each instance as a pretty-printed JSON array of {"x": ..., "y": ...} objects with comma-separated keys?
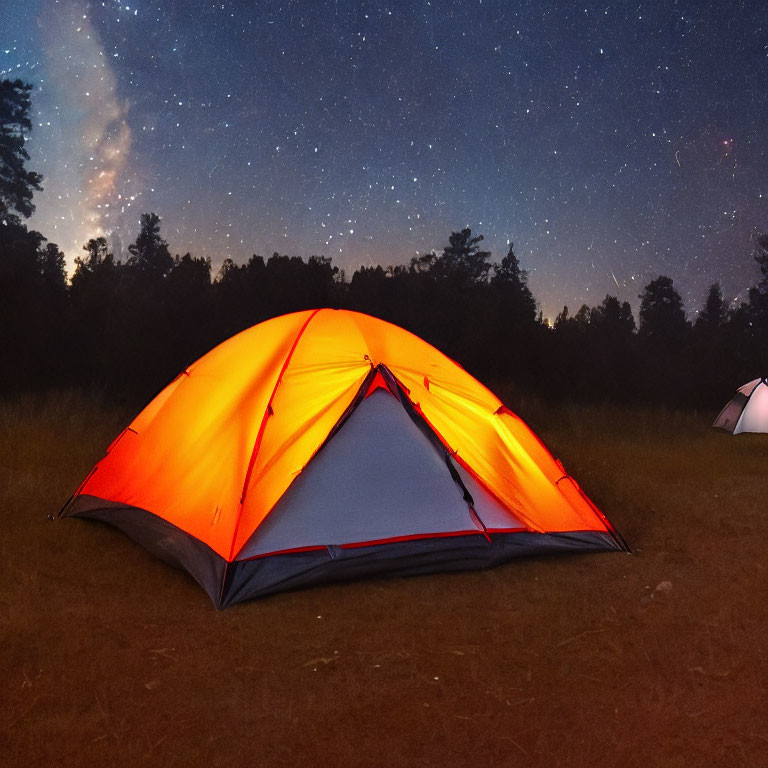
[{"x": 327, "y": 444}]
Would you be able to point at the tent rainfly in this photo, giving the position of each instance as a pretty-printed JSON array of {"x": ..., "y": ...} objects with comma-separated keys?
[
  {"x": 325, "y": 445},
  {"x": 747, "y": 411}
]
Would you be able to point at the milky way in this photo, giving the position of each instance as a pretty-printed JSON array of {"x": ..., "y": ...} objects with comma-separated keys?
[
  {"x": 611, "y": 142},
  {"x": 89, "y": 128}
]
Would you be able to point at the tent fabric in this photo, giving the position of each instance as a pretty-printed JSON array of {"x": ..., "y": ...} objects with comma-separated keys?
[
  {"x": 747, "y": 411},
  {"x": 365, "y": 485},
  {"x": 321, "y": 432}
]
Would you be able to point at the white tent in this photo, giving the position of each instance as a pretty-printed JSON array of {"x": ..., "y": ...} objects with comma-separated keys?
[{"x": 747, "y": 411}]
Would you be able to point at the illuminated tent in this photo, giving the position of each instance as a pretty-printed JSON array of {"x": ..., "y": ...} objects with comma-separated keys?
[
  {"x": 747, "y": 411},
  {"x": 328, "y": 444}
]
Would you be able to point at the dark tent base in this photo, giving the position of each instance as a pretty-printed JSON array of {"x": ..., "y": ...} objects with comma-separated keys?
[
  {"x": 230, "y": 583},
  {"x": 262, "y": 576}
]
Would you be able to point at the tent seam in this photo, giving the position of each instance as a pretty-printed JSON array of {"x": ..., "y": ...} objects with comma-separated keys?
[{"x": 260, "y": 435}]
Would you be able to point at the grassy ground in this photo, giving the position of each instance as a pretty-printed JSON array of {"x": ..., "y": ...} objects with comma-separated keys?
[{"x": 658, "y": 658}]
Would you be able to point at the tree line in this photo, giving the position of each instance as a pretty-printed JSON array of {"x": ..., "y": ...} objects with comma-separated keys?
[{"x": 128, "y": 327}]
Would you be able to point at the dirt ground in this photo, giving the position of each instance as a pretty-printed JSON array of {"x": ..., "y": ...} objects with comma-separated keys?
[{"x": 658, "y": 658}]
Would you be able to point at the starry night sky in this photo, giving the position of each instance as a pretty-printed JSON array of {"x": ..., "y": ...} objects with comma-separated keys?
[{"x": 610, "y": 141}]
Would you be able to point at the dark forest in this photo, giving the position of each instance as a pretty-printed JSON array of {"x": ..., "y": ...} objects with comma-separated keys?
[{"x": 125, "y": 328}]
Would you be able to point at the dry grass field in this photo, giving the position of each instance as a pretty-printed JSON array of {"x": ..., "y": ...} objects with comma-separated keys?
[{"x": 659, "y": 658}]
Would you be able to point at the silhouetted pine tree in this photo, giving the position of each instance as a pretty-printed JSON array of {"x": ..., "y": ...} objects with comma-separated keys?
[
  {"x": 149, "y": 252},
  {"x": 662, "y": 316},
  {"x": 462, "y": 260},
  {"x": 17, "y": 184},
  {"x": 612, "y": 350},
  {"x": 664, "y": 369},
  {"x": 96, "y": 312},
  {"x": 510, "y": 309},
  {"x": 715, "y": 313},
  {"x": 33, "y": 291}
]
